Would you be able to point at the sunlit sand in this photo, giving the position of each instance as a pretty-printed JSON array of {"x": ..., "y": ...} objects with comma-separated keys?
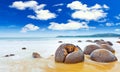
[{"x": 23, "y": 61}]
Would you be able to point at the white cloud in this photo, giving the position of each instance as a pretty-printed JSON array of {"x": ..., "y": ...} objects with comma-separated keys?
[
  {"x": 71, "y": 25},
  {"x": 59, "y": 10},
  {"x": 60, "y": 4},
  {"x": 105, "y": 6},
  {"x": 83, "y": 12},
  {"x": 109, "y": 24},
  {"x": 117, "y": 30},
  {"x": 23, "y": 5},
  {"x": 118, "y": 17},
  {"x": 40, "y": 13},
  {"x": 29, "y": 27}
]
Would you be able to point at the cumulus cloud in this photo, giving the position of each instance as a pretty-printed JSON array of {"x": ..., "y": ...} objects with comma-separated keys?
[
  {"x": 82, "y": 11},
  {"x": 29, "y": 27},
  {"x": 71, "y": 25},
  {"x": 117, "y": 30},
  {"x": 109, "y": 24},
  {"x": 23, "y": 5},
  {"x": 40, "y": 13}
]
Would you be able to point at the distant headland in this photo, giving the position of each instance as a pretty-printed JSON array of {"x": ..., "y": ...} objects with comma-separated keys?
[{"x": 94, "y": 35}]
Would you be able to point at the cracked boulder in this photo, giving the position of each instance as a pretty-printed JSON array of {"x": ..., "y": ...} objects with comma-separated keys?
[{"x": 69, "y": 53}]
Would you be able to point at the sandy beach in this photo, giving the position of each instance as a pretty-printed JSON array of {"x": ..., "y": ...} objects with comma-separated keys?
[{"x": 22, "y": 60}]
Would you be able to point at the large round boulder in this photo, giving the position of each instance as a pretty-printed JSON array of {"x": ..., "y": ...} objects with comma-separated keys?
[
  {"x": 88, "y": 49},
  {"x": 66, "y": 53},
  {"x": 108, "y": 47},
  {"x": 102, "y": 55},
  {"x": 74, "y": 57}
]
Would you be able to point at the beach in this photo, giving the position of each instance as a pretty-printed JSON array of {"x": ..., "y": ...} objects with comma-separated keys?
[{"x": 22, "y": 61}]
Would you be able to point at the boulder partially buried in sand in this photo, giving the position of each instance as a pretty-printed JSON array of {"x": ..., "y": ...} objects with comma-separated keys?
[
  {"x": 69, "y": 53},
  {"x": 110, "y": 43},
  {"x": 90, "y": 48},
  {"x": 36, "y": 55},
  {"x": 118, "y": 42},
  {"x": 102, "y": 55},
  {"x": 108, "y": 47},
  {"x": 79, "y": 41},
  {"x": 99, "y": 42},
  {"x": 24, "y": 48},
  {"x": 89, "y": 41},
  {"x": 60, "y": 41}
]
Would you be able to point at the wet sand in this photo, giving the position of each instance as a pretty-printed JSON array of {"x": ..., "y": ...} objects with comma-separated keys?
[
  {"x": 23, "y": 61},
  {"x": 48, "y": 65}
]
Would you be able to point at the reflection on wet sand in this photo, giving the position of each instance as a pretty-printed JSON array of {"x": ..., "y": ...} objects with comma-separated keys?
[{"x": 48, "y": 65}]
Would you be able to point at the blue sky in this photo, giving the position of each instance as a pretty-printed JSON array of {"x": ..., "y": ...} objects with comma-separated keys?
[{"x": 39, "y": 18}]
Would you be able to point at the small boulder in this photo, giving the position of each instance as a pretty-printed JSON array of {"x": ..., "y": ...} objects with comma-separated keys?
[
  {"x": 64, "y": 51},
  {"x": 79, "y": 41},
  {"x": 36, "y": 55},
  {"x": 108, "y": 47},
  {"x": 96, "y": 41},
  {"x": 6, "y": 56},
  {"x": 60, "y": 41},
  {"x": 101, "y": 42},
  {"x": 118, "y": 42},
  {"x": 102, "y": 55},
  {"x": 12, "y": 54},
  {"x": 89, "y": 41},
  {"x": 24, "y": 48},
  {"x": 88, "y": 49}
]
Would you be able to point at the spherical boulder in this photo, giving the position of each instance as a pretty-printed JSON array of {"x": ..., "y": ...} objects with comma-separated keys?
[
  {"x": 89, "y": 41},
  {"x": 65, "y": 51},
  {"x": 96, "y": 41},
  {"x": 79, "y": 41},
  {"x": 74, "y": 57},
  {"x": 108, "y": 47},
  {"x": 101, "y": 42},
  {"x": 102, "y": 55},
  {"x": 110, "y": 43},
  {"x": 36, "y": 55},
  {"x": 118, "y": 41},
  {"x": 88, "y": 49}
]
